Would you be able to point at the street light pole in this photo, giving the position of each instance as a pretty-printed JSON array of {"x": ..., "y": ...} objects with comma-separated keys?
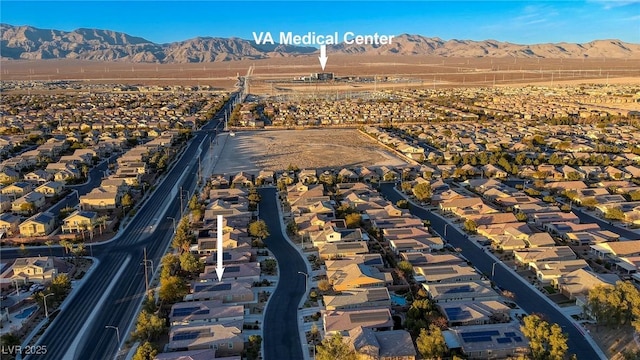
[
  {"x": 46, "y": 311},
  {"x": 306, "y": 280},
  {"x": 117, "y": 333},
  {"x": 493, "y": 269},
  {"x": 445, "y": 229},
  {"x": 174, "y": 223}
]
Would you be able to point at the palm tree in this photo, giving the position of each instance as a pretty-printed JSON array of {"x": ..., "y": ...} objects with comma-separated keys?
[{"x": 102, "y": 222}]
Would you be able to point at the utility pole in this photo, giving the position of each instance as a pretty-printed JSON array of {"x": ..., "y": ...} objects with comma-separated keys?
[{"x": 146, "y": 276}]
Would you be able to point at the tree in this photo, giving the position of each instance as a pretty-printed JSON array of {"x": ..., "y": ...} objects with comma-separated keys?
[
  {"x": 191, "y": 264},
  {"x": 406, "y": 268},
  {"x": 548, "y": 199},
  {"x": 148, "y": 327},
  {"x": 183, "y": 238},
  {"x": 145, "y": 351},
  {"x": 170, "y": 265},
  {"x": 353, "y": 220},
  {"x": 126, "y": 201},
  {"x": 335, "y": 348},
  {"x": 590, "y": 203},
  {"x": 402, "y": 204},
  {"x": 258, "y": 229},
  {"x": 60, "y": 286},
  {"x": 324, "y": 285},
  {"x": 614, "y": 213},
  {"x": 546, "y": 341},
  {"x": 405, "y": 187},
  {"x": 431, "y": 343},
  {"x": 172, "y": 289},
  {"x": 470, "y": 226},
  {"x": 634, "y": 195},
  {"x": 422, "y": 191},
  {"x": 520, "y": 216}
]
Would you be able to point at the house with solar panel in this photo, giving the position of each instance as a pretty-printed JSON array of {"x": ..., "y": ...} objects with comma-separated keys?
[
  {"x": 358, "y": 299},
  {"x": 236, "y": 292},
  {"x": 205, "y": 312},
  {"x": 247, "y": 272},
  {"x": 341, "y": 321},
  {"x": 461, "y": 291},
  {"x": 225, "y": 340},
  {"x": 446, "y": 273},
  {"x": 463, "y": 313},
  {"x": 494, "y": 341}
]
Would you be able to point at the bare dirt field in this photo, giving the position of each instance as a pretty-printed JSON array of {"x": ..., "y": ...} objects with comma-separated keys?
[
  {"x": 252, "y": 151},
  {"x": 274, "y": 75}
]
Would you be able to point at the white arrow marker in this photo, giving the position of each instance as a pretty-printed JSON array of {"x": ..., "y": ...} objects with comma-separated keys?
[
  {"x": 323, "y": 56},
  {"x": 219, "y": 267}
]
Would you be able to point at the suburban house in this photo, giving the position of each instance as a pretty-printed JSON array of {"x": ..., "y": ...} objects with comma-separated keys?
[
  {"x": 80, "y": 220},
  {"x": 492, "y": 341},
  {"x": 341, "y": 321},
  {"x": 40, "y": 224},
  {"x": 17, "y": 189},
  {"x": 235, "y": 292},
  {"x": 358, "y": 298},
  {"x": 9, "y": 224},
  {"x": 204, "y": 312},
  {"x": 227, "y": 340},
  {"x": 28, "y": 203},
  {"x": 50, "y": 188},
  {"x": 39, "y": 269},
  {"x": 475, "y": 312},
  {"x": 100, "y": 199},
  {"x": 580, "y": 282},
  {"x": 381, "y": 345}
]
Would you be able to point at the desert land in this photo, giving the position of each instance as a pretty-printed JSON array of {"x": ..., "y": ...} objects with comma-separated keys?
[{"x": 275, "y": 75}]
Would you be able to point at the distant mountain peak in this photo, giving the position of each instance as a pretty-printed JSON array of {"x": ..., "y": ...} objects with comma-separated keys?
[{"x": 27, "y": 42}]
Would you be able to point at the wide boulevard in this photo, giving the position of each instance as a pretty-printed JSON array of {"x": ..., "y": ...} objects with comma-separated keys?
[
  {"x": 281, "y": 333},
  {"x": 111, "y": 293},
  {"x": 529, "y": 299}
]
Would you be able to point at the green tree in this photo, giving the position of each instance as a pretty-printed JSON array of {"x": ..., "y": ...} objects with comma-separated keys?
[
  {"x": 548, "y": 199},
  {"x": 126, "y": 201},
  {"x": 406, "y": 268},
  {"x": 353, "y": 220},
  {"x": 170, "y": 265},
  {"x": 145, "y": 351},
  {"x": 148, "y": 327},
  {"x": 193, "y": 203},
  {"x": 9, "y": 339},
  {"x": 335, "y": 348},
  {"x": 590, "y": 203},
  {"x": 431, "y": 343},
  {"x": 614, "y": 213},
  {"x": 183, "y": 237},
  {"x": 546, "y": 341},
  {"x": 470, "y": 226},
  {"x": 259, "y": 229},
  {"x": 402, "y": 204},
  {"x": 520, "y": 216},
  {"x": 191, "y": 264},
  {"x": 422, "y": 191},
  {"x": 172, "y": 289},
  {"x": 406, "y": 187},
  {"x": 634, "y": 195},
  {"x": 61, "y": 286}
]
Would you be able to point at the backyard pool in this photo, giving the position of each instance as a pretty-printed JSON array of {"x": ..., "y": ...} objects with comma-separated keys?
[
  {"x": 398, "y": 299},
  {"x": 25, "y": 313}
]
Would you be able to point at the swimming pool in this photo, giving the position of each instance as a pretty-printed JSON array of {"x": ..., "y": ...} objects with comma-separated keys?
[
  {"x": 398, "y": 299},
  {"x": 25, "y": 313}
]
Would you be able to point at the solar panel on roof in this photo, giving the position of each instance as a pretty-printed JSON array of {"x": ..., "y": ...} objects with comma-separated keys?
[
  {"x": 459, "y": 289},
  {"x": 509, "y": 334},
  {"x": 208, "y": 287},
  {"x": 517, "y": 339},
  {"x": 232, "y": 269},
  {"x": 457, "y": 313},
  {"x": 201, "y": 312},
  {"x": 504, "y": 340},
  {"x": 185, "y": 311},
  {"x": 226, "y": 256},
  {"x": 474, "y": 339},
  {"x": 186, "y": 336},
  {"x": 441, "y": 271},
  {"x": 368, "y": 317},
  {"x": 481, "y": 333}
]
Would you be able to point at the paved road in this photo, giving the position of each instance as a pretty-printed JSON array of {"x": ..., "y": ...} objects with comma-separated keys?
[
  {"x": 281, "y": 336},
  {"x": 112, "y": 293},
  {"x": 530, "y": 300},
  {"x": 588, "y": 218}
]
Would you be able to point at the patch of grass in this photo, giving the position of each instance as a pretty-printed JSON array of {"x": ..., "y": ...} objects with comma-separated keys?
[{"x": 550, "y": 289}]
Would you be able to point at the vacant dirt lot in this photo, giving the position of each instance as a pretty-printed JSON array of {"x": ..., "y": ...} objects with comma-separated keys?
[
  {"x": 391, "y": 72},
  {"x": 614, "y": 341},
  {"x": 253, "y": 151}
]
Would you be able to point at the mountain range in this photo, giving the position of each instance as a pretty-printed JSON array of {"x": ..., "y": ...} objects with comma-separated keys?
[{"x": 26, "y": 42}]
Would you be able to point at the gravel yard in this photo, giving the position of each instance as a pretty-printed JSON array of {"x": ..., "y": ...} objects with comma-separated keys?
[{"x": 252, "y": 151}]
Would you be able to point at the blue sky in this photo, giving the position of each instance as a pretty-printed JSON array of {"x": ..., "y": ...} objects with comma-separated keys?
[{"x": 523, "y": 22}]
